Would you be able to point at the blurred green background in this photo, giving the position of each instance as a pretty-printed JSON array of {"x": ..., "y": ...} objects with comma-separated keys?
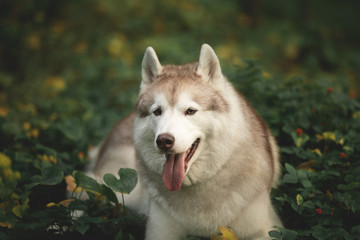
[
  {"x": 63, "y": 59},
  {"x": 70, "y": 69},
  {"x": 58, "y": 44}
]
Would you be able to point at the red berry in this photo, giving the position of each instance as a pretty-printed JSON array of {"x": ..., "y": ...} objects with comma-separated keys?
[{"x": 299, "y": 131}]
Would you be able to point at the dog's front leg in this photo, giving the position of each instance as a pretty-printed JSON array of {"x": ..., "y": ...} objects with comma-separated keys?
[{"x": 161, "y": 225}]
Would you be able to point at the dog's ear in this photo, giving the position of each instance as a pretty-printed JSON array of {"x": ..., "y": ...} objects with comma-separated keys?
[
  {"x": 209, "y": 65},
  {"x": 151, "y": 67}
]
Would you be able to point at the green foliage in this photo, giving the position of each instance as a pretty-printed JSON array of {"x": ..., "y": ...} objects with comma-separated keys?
[
  {"x": 318, "y": 134},
  {"x": 67, "y": 75},
  {"x": 126, "y": 183}
]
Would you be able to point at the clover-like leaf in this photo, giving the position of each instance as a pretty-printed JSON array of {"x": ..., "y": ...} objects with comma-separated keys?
[
  {"x": 86, "y": 183},
  {"x": 49, "y": 176},
  {"x": 126, "y": 183}
]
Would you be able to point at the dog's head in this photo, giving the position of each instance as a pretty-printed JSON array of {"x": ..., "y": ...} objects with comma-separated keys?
[{"x": 179, "y": 111}]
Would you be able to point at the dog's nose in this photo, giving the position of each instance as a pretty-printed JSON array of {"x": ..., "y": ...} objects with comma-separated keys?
[{"x": 165, "y": 141}]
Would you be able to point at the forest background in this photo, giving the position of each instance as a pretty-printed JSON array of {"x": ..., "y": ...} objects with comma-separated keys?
[{"x": 69, "y": 70}]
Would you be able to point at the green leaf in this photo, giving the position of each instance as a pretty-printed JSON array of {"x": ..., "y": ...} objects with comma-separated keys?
[
  {"x": 126, "y": 183},
  {"x": 355, "y": 230},
  {"x": 118, "y": 235},
  {"x": 283, "y": 233},
  {"x": 71, "y": 130},
  {"x": 288, "y": 234},
  {"x": 3, "y": 236},
  {"x": 49, "y": 176},
  {"x": 275, "y": 234},
  {"x": 299, "y": 140},
  {"x": 291, "y": 176},
  {"x": 288, "y": 178},
  {"x": 107, "y": 192},
  {"x": 52, "y": 176},
  {"x": 349, "y": 187},
  {"x": 309, "y": 204},
  {"x": 87, "y": 183},
  {"x": 290, "y": 169},
  {"x": 303, "y": 177},
  {"x": 82, "y": 228}
]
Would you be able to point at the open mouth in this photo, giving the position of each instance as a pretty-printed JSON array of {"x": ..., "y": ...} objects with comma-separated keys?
[
  {"x": 190, "y": 152},
  {"x": 176, "y": 165}
]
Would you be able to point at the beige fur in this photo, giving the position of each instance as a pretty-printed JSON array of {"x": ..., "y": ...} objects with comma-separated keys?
[{"x": 228, "y": 179}]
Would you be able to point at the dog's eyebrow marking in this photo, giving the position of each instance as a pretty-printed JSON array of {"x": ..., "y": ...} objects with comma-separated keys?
[{"x": 142, "y": 104}]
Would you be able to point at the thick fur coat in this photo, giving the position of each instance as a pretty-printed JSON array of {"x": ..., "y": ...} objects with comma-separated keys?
[{"x": 204, "y": 157}]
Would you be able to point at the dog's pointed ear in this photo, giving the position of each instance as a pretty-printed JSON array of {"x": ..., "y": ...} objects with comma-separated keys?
[
  {"x": 151, "y": 67},
  {"x": 209, "y": 65}
]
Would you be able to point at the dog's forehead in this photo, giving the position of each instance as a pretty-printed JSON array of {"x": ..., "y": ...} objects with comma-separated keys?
[
  {"x": 184, "y": 92},
  {"x": 176, "y": 80},
  {"x": 181, "y": 85},
  {"x": 188, "y": 70},
  {"x": 183, "y": 99}
]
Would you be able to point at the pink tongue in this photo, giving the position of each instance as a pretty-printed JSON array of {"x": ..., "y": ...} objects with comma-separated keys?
[{"x": 174, "y": 171}]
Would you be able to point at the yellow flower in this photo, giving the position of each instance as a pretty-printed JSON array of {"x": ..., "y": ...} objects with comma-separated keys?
[
  {"x": 8, "y": 173},
  {"x": 17, "y": 175},
  {"x": 71, "y": 185},
  {"x": 34, "y": 133},
  {"x": 5, "y": 224},
  {"x": 55, "y": 83},
  {"x": 116, "y": 45},
  {"x": 52, "y": 159},
  {"x": 5, "y": 161},
  {"x": 27, "y": 107},
  {"x": 14, "y": 196},
  {"x": 299, "y": 199},
  {"x": 65, "y": 203},
  {"x": 26, "y": 126},
  {"x": 356, "y": 114},
  {"x": 59, "y": 27},
  {"x": 291, "y": 51},
  {"x": 317, "y": 151},
  {"x": 225, "y": 51},
  {"x": 238, "y": 62},
  {"x": 329, "y": 135},
  {"x": 4, "y": 111},
  {"x": 325, "y": 136},
  {"x": 51, "y": 204},
  {"x": 33, "y": 41},
  {"x": 81, "y": 47},
  {"x": 46, "y": 158},
  {"x": 266, "y": 74},
  {"x": 226, "y": 234}
]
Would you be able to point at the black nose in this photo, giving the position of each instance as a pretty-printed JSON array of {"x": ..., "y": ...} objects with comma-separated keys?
[{"x": 165, "y": 141}]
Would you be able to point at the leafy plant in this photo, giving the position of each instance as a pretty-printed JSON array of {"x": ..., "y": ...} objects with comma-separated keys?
[
  {"x": 126, "y": 183},
  {"x": 68, "y": 75},
  {"x": 318, "y": 136}
]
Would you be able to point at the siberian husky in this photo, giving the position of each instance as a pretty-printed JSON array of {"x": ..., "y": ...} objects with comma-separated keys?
[{"x": 205, "y": 158}]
